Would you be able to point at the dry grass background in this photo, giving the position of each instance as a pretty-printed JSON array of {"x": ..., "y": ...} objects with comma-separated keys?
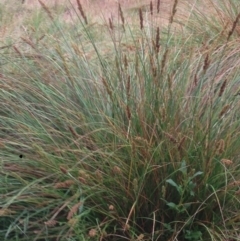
[
  {"x": 98, "y": 10},
  {"x": 109, "y": 8},
  {"x": 106, "y": 8},
  {"x": 16, "y": 25}
]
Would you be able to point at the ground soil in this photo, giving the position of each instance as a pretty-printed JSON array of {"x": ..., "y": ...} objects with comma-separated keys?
[{"x": 99, "y": 9}]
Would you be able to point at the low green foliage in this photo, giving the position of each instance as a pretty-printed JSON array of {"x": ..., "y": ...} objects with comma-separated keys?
[{"x": 120, "y": 132}]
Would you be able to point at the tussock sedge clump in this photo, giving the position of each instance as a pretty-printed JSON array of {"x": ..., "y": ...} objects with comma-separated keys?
[{"x": 122, "y": 130}]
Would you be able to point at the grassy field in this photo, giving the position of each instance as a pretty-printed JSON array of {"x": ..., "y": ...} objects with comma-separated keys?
[{"x": 120, "y": 121}]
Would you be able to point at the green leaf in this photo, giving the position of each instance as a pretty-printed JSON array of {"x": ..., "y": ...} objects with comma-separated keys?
[
  {"x": 183, "y": 168},
  {"x": 174, "y": 184},
  {"x": 172, "y": 205},
  {"x": 197, "y": 174},
  {"x": 168, "y": 227},
  {"x": 193, "y": 235}
]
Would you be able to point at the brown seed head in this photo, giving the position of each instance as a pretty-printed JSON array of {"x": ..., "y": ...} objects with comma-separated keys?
[
  {"x": 126, "y": 227},
  {"x": 181, "y": 143},
  {"x": 158, "y": 6},
  {"x": 117, "y": 170},
  {"x": 121, "y": 14},
  {"x": 46, "y": 9},
  {"x": 141, "y": 18},
  {"x": 233, "y": 27},
  {"x": 74, "y": 210},
  {"x": 92, "y": 232},
  {"x": 72, "y": 222},
  {"x": 107, "y": 87},
  {"x": 227, "y": 162},
  {"x": 151, "y": 8},
  {"x": 164, "y": 58},
  {"x": 140, "y": 237},
  {"x": 111, "y": 207},
  {"x": 81, "y": 11},
  {"x": 63, "y": 169},
  {"x": 50, "y": 223},
  {"x": 6, "y": 212},
  {"x": 174, "y": 10},
  {"x": 125, "y": 61},
  {"x": 82, "y": 180},
  {"x": 135, "y": 185},
  {"x": 110, "y": 23},
  {"x": 66, "y": 184},
  {"x": 206, "y": 63},
  {"x": 224, "y": 110},
  {"x": 158, "y": 40},
  {"x": 98, "y": 175},
  {"x": 171, "y": 137},
  {"x": 128, "y": 87},
  {"x": 128, "y": 113},
  {"x": 29, "y": 42},
  {"x": 83, "y": 173},
  {"x": 223, "y": 86},
  {"x": 74, "y": 133},
  {"x": 163, "y": 113},
  {"x": 195, "y": 80},
  {"x": 234, "y": 184},
  {"x": 220, "y": 147},
  {"x": 17, "y": 50}
]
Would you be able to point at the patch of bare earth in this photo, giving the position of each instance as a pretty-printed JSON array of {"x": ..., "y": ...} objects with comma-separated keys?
[
  {"x": 100, "y": 11},
  {"x": 97, "y": 10}
]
